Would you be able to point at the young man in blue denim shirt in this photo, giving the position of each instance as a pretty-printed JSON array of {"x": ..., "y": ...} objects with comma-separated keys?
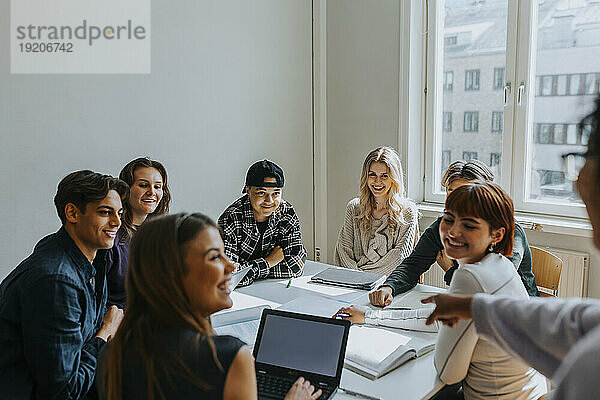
[{"x": 52, "y": 306}]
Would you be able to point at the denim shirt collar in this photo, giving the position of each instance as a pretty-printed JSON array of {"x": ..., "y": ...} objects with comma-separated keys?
[{"x": 88, "y": 269}]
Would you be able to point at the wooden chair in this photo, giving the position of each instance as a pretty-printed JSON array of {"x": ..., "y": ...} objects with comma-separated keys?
[{"x": 547, "y": 269}]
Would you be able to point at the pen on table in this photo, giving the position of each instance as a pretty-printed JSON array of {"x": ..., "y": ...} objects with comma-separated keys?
[
  {"x": 289, "y": 283},
  {"x": 342, "y": 315},
  {"x": 357, "y": 394}
]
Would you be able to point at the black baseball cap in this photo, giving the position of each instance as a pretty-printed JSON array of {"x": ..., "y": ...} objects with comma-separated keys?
[{"x": 264, "y": 169}]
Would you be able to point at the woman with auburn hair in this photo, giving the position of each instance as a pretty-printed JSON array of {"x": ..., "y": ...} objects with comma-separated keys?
[
  {"x": 380, "y": 227},
  {"x": 165, "y": 346},
  {"x": 149, "y": 196},
  {"x": 477, "y": 230},
  {"x": 558, "y": 337}
]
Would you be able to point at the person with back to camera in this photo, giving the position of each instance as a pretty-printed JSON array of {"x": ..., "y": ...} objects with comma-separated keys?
[
  {"x": 261, "y": 230},
  {"x": 476, "y": 230},
  {"x": 52, "y": 306},
  {"x": 149, "y": 196},
  {"x": 558, "y": 337},
  {"x": 165, "y": 347},
  {"x": 381, "y": 226},
  {"x": 429, "y": 249}
]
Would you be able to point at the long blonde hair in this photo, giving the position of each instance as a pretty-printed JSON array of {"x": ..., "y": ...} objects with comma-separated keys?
[
  {"x": 157, "y": 299},
  {"x": 396, "y": 199}
]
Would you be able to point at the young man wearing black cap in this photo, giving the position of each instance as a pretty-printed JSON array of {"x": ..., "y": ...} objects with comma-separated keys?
[{"x": 261, "y": 230}]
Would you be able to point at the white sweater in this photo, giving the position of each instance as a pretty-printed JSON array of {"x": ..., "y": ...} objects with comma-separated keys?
[
  {"x": 377, "y": 251},
  {"x": 489, "y": 372}
]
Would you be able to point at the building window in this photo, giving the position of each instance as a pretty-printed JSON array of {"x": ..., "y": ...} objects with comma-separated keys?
[
  {"x": 497, "y": 117},
  {"x": 446, "y": 159},
  {"x": 498, "y": 78},
  {"x": 447, "y": 121},
  {"x": 591, "y": 84},
  {"x": 575, "y": 87},
  {"x": 471, "y": 121},
  {"x": 469, "y": 155},
  {"x": 561, "y": 85},
  {"x": 450, "y": 40},
  {"x": 544, "y": 133},
  {"x": 559, "y": 134},
  {"x": 572, "y": 134},
  {"x": 448, "y": 80},
  {"x": 472, "y": 79},
  {"x": 495, "y": 159},
  {"x": 546, "y": 85},
  {"x": 548, "y": 177},
  {"x": 557, "y": 64}
]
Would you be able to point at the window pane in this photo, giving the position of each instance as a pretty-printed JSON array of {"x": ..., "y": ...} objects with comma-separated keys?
[
  {"x": 478, "y": 62},
  {"x": 571, "y": 134},
  {"x": 567, "y": 60},
  {"x": 447, "y": 122},
  {"x": 559, "y": 134},
  {"x": 590, "y": 83},
  {"x": 561, "y": 85},
  {"x": 498, "y": 78},
  {"x": 546, "y": 85},
  {"x": 574, "y": 84},
  {"x": 497, "y": 117}
]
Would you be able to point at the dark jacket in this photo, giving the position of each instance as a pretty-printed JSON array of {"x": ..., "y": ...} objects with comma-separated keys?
[
  {"x": 407, "y": 274},
  {"x": 51, "y": 307}
]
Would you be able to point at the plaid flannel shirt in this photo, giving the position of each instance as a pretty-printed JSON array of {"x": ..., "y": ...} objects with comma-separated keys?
[{"x": 241, "y": 236}]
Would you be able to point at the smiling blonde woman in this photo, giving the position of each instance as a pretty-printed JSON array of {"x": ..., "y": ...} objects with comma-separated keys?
[{"x": 380, "y": 226}]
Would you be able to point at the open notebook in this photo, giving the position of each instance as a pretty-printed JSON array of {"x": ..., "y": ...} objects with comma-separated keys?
[{"x": 374, "y": 351}]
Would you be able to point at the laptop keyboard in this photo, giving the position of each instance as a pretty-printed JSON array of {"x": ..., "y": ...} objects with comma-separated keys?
[{"x": 278, "y": 386}]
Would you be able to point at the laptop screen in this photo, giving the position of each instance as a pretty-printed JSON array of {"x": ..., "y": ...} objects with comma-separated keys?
[{"x": 301, "y": 344}]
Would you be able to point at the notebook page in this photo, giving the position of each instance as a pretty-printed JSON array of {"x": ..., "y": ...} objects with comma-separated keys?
[
  {"x": 412, "y": 301},
  {"x": 369, "y": 346}
]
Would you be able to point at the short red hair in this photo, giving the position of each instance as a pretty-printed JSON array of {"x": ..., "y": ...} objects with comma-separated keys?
[{"x": 489, "y": 202}]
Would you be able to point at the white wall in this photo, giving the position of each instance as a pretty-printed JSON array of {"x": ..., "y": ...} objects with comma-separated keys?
[
  {"x": 230, "y": 84},
  {"x": 363, "y": 45}
]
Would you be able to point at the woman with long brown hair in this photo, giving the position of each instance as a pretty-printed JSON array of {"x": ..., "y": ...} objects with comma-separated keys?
[
  {"x": 381, "y": 225},
  {"x": 165, "y": 347},
  {"x": 149, "y": 196}
]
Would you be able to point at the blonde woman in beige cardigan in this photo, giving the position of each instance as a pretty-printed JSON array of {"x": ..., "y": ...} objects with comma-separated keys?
[{"x": 380, "y": 227}]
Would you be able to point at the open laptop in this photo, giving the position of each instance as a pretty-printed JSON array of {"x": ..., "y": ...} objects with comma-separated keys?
[{"x": 289, "y": 345}]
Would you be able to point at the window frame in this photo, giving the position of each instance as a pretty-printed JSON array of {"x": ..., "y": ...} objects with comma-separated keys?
[
  {"x": 471, "y": 128},
  {"x": 495, "y": 86},
  {"x": 447, "y": 120},
  {"x": 497, "y": 116},
  {"x": 517, "y": 117},
  {"x": 448, "y": 87},
  {"x": 476, "y": 74},
  {"x": 523, "y": 122},
  {"x": 472, "y": 155}
]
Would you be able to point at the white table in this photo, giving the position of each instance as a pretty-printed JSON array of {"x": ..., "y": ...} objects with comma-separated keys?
[{"x": 416, "y": 379}]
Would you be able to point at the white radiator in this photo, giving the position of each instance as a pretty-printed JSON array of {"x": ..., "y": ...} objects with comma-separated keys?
[
  {"x": 574, "y": 275},
  {"x": 573, "y": 279}
]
